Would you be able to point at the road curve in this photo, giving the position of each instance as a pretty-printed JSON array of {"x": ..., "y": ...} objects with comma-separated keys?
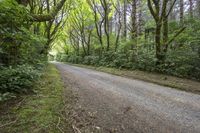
[{"x": 126, "y": 106}]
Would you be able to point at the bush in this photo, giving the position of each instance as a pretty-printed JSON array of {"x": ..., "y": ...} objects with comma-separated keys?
[
  {"x": 75, "y": 59},
  {"x": 182, "y": 58},
  {"x": 145, "y": 60},
  {"x": 120, "y": 61},
  {"x": 183, "y": 62},
  {"x": 107, "y": 59},
  {"x": 91, "y": 60},
  {"x": 62, "y": 57},
  {"x": 17, "y": 79}
]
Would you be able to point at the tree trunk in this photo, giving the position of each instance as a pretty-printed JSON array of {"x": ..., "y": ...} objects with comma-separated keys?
[
  {"x": 125, "y": 20},
  {"x": 198, "y": 8},
  {"x": 134, "y": 20},
  {"x": 140, "y": 17},
  {"x": 106, "y": 22},
  {"x": 172, "y": 15},
  {"x": 191, "y": 8},
  {"x": 181, "y": 11},
  {"x": 158, "y": 42}
]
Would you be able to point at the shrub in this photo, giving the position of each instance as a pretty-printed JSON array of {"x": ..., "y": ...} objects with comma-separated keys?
[
  {"x": 75, "y": 59},
  {"x": 183, "y": 62},
  {"x": 107, "y": 59},
  {"x": 17, "y": 79},
  {"x": 120, "y": 61},
  {"x": 62, "y": 57},
  {"x": 91, "y": 60},
  {"x": 145, "y": 60}
]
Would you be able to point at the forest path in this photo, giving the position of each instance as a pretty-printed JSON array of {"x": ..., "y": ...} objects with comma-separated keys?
[{"x": 122, "y": 105}]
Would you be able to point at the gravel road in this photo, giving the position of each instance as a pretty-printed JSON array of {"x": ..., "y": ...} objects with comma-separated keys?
[{"x": 124, "y": 105}]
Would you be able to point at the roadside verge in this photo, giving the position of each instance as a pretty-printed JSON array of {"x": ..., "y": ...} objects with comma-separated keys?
[{"x": 44, "y": 111}]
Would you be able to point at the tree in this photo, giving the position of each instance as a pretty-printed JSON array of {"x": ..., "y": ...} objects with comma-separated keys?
[
  {"x": 106, "y": 6},
  {"x": 98, "y": 21},
  {"x": 43, "y": 17},
  {"x": 134, "y": 19},
  {"x": 191, "y": 4},
  {"x": 125, "y": 19},
  {"x": 118, "y": 24},
  {"x": 198, "y": 8},
  {"x": 172, "y": 14},
  {"x": 80, "y": 21},
  {"x": 181, "y": 11},
  {"x": 160, "y": 15}
]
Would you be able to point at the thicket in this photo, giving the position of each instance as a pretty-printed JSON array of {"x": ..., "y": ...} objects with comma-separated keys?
[{"x": 20, "y": 59}]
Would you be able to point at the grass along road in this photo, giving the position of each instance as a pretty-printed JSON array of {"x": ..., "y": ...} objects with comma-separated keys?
[{"x": 42, "y": 112}]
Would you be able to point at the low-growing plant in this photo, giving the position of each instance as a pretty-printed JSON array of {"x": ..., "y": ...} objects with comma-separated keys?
[
  {"x": 18, "y": 79},
  {"x": 91, "y": 60}
]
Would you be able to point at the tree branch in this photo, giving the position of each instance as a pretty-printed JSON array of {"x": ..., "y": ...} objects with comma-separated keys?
[
  {"x": 152, "y": 10},
  {"x": 177, "y": 34},
  {"x": 171, "y": 8},
  {"x": 50, "y": 16}
]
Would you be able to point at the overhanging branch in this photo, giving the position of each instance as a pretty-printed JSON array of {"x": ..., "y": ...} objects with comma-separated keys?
[{"x": 50, "y": 16}]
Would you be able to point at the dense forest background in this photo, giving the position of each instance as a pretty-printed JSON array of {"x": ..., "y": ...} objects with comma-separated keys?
[{"x": 151, "y": 35}]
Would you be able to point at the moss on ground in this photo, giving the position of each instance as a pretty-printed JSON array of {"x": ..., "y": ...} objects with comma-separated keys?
[{"x": 41, "y": 112}]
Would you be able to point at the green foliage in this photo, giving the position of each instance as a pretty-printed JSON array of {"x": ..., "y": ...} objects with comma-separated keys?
[
  {"x": 107, "y": 58},
  {"x": 17, "y": 43},
  {"x": 42, "y": 111},
  {"x": 13, "y": 14},
  {"x": 68, "y": 58},
  {"x": 91, "y": 60},
  {"x": 145, "y": 60},
  {"x": 6, "y": 96},
  {"x": 182, "y": 58},
  {"x": 120, "y": 61},
  {"x": 19, "y": 49},
  {"x": 18, "y": 79},
  {"x": 183, "y": 62},
  {"x": 75, "y": 59},
  {"x": 62, "y": 57}
]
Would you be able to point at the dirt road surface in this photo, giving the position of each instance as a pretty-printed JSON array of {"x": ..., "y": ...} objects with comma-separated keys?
[{"x": 113, "y": 104}]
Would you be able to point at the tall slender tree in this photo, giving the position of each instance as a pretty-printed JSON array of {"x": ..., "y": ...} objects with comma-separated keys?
[
  {"x": 181, "y": 5},
  {"x": 125, "y": 19},
  {"x": 191, "y": 6},
  {"x": 134, "y": 19},
  {"x": 160, "y": 15}
]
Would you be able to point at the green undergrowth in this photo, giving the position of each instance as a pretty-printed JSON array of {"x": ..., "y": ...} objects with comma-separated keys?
[
  {"x": 39, "y": 112},
  {"x": 161, "y": 79}
]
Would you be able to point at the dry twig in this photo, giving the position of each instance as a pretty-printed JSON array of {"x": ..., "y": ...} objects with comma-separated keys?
[
  {"x": 58, "y": 125},
  {"x": 76, "y": 130},
  {"x": 9, "y": 123}
]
